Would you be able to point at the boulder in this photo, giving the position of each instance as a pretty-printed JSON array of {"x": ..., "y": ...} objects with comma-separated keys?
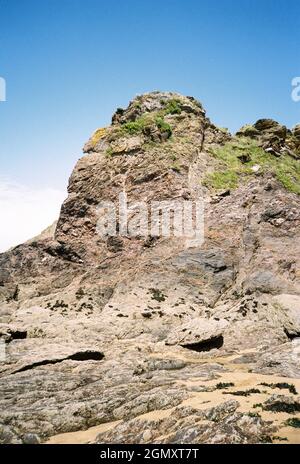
[{"x": 202, "y": 333}]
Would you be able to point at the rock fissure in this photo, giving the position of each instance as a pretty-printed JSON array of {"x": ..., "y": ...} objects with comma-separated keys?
[{"x": 79, "y": 356}]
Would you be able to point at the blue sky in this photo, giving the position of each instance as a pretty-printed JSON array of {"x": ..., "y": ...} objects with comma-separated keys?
[{"x": 69, "y": 63}]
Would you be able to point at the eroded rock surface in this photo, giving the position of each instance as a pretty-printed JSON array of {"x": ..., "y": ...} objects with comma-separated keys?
[{"x": 105, "y": 330}]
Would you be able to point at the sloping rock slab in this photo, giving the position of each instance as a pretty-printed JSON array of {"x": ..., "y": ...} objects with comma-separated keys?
[{"x": 199, "y": 334}]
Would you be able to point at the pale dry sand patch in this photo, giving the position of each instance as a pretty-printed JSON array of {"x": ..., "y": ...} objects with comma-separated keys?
[
  {"x": 242, "y": 379},
  {"x": 156, "y": 415},
  {"x": 245, "y": 381},
  {"x": 292, "y": 434},
  {"x": 82, "y": 436},
  {"x": 194, "y": 358}
]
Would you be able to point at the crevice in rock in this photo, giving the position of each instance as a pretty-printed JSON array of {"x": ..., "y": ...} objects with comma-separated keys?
[
  {"x": 86, "y": 356},
  {"x": 14, "y": 295},
  {"x": 61, "y": 250},
  {"x": 293, "y": 335},
  {"x": 79, "y": 356},
  {"x": 17, "y": 335},
  {"x": 215, "y": 342}
]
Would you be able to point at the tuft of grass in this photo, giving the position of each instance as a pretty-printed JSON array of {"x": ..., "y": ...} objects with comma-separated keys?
[
  {"x": 277, "y": 437},
  {"x": 163, "y": 126},
  {"x": 172, "y": 107},
  {"x": 248, "y": 131},
  {"x": 233, "y": 168},
  {"x": 222, "y": 385},
  {"x": 137, "y": 105},
  {"x": 253, "y": 414},
  {"x": 140, "y": 125},
  {"x": 289, "y": 176},
  {"x": 282, "y": 385},
  {"x": 225, "y": 130},
  {"x": 293, "y": 422},
  {"x": 281, "y": 406},
  {"x": 134, "y": 127},
  {"x": 266, "y": 439},
  {"x": 109, "y": 152},
  {"x": 157, "y": 295},
  {"x": 221, "y": 180},
  {"x": 176, "y": 167},
  {"x": 257, "y": 405},
  {"x": 243, "y": 392}
]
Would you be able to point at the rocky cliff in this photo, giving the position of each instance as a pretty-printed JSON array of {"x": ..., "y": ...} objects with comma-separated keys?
[{"x": 144, "y": 335}]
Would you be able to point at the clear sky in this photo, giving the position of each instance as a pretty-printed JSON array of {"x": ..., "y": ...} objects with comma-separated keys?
[{"x": 69, "y": 63}]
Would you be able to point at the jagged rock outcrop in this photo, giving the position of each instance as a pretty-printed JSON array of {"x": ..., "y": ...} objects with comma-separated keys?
[
  {"x": 274, "y": 137},
  {"x": 99, "y": 329}
]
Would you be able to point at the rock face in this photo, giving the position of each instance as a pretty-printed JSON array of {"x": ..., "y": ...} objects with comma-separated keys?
[
  {"x": 98, "y": 328},
  {"x": 199, "y": 334},
  {"x": 274, "y": 137},
  {"x": 221, "y": 424}
]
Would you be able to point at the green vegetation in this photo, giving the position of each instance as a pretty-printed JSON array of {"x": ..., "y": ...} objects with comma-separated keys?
[
  {"x": 265, "y": 439},
  {"x": 278, "y": 438},
  {"x": 237, "y": 159},
  {"x": 282, "y": 406},
  {"x": 293, "y": 422},
  {"x": 243, "y": 392},
  {"x": 248, "y": 131},
  {"x": 222, "y": 385},
  {"x": 157, "y": 295},
  {"x": 253, "y": 414},
  {"x": 109, "y": 152},
  {"x": 144, "y": 124},
  {"x": 137, "y": 104},
  {"x": 221, "y": 180},
  {"x": 176, "y": 167},
  {"x": 134, "y": 127},
  {"x": 147, "y": 121},
  {"x": 257, "y": 405},
  {"x": 285, "y": 175},
  {"x": 225, "y": 130},
  {"x": 163, "y": 126},
  {"x": 282, "y": 385},
  {"x": 172, "y": 107},
  {"x": 279, "y": 406}
]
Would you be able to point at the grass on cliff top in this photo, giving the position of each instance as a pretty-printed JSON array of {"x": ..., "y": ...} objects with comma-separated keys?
[
  {"x": 172, "y": 107},
  {"x": 138, "y": 126},
  {"x": 148, "y": 121},
  {"x": 141, "y": 124},
  {"x": 238, "y": 157}
]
